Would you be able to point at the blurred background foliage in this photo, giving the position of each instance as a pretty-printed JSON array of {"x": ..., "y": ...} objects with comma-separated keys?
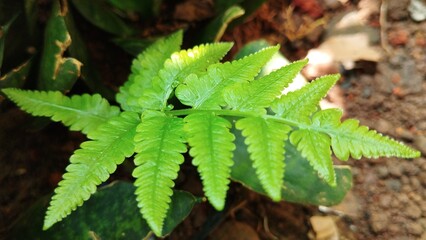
[{"x": 43, "y": 44}]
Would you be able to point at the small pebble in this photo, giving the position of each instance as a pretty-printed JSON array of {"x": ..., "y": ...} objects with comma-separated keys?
[
  {"x": 422, "y": 206},
  {"x": 414, "y": 228},
  {"x": 406, "y": 189},
  {"x": 422, "y": 178},
  {"x": 415, "y": 182},
  {"x": 420, "y": 143},
  {"x": 405, "y": 179},
  {"x": 421, "y": 125},
  {"x": 422, "y": 221},
  {"x": 385, "y": 200},
  {"x": 379, "y": 221},
  {"x": 382, "y": 171},
  {"x": 403, "y": 198},
  {"x": 393, "y": 184},
  {"x": 413, "y": 211},
  {"x": 394, "y": 228},
  {"x": 395, "y": 170},
  {"x": 409, "y": 168},
  {"x": 383, "y": 126}
]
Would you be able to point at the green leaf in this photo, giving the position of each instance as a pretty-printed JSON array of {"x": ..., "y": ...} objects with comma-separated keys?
[
  {"x": 251, "y": 48},
  {"x": 315, "y": 147},
  {"x": 206, "y": 92},
  {"x": 57, "y": 72},
  {"x": 349, "y": 138},
  {"x": 260, "y": 93},
  {"x": 16, "y": 77},
  {"x": 160, "y": 143},
  {"x": 144, "y": 68},
  {"x": 81, "y": 113},
  {"x": 214, "y": 31},
  {"x": 265, "y": 141},
  {"x": 211, "y": 148},
  {"x": 301, "y": 183},
  {"x": 300, "y": 104},
  {"x": 177, "y": 68},
  {"x": 3, "y": 32},
  {"x": 94, "y": 217},
  {"x": 101, "y": 15},
  {"x": 92, "y": 164}
]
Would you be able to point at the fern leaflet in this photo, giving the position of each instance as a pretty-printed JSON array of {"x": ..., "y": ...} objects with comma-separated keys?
[
  {"x": 248, "y": 67},
  {"x": 211, "y": 148},
  {"x": 92, "y": 165},
  {"x": 160, "y": 143},
  {"x": 259, "y": 94},
  {"x": 300, "y": 104},
  {"x": 265, "y": 141},
  {"x": 206, "y": 92},
  {"x": 177, "y": 68},
  {"x": 80, "y": 113},
  {"x": 144, "y": 68},
  {"x": 315, "y": 147},
  {"x": 348, "y": 138}
]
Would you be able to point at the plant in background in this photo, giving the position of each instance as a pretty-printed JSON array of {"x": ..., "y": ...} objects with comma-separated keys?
[
  {"x": 59, "y": 55},
  {"x": 218, "y": 96}
]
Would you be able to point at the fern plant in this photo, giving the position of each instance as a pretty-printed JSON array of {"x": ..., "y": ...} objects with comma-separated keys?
[{"x": 148, "y": 127}]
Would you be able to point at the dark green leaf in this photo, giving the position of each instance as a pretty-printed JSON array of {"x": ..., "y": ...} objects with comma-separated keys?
[
  {"x": 111, "y": 213},
  {"x": 251, "y": 48},
  {"x": 249, "y": 7},
  {"x": 214, "y": 31},
  {"x": 180, "y": 207},
  {"x": 56, "y": 72},
  {"x": 301, "y": 182},
  {"x": 99, "y": 14},
  {"x": 3, "y": 32},
  {"x": 16, "y": 77}
]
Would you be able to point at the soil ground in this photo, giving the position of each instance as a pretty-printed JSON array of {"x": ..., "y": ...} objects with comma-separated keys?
[{"x": 388, "y": 199}]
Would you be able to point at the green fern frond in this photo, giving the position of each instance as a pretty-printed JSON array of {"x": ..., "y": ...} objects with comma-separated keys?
[
  {"x": 206, "y": 92},
  {"x": 300, "y": 104},
  {"x": 211, "y": 148},
  {"x": 80, "y": 113},
  {"x": 259, "y": 94},
  {"x": 160, "y": 143},
  {"x": 315, "y": 147},
  {"x": 213, "y": 90},
  {"x": 177, "y": 68},
  {"x": 92, "y": 165},
  {"x": 265, "y": 140},
  {"x": 144, "y": 68}
]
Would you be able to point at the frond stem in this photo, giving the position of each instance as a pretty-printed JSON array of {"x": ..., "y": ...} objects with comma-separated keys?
[{"x": 236, "y": 113}]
